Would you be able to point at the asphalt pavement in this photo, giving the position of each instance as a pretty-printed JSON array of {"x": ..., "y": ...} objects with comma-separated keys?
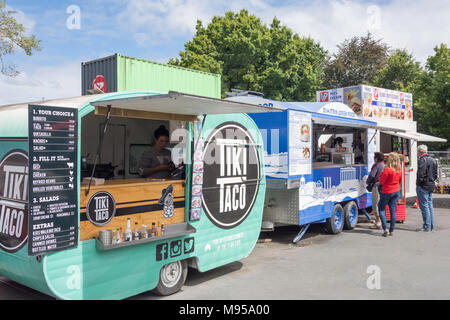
[{"x": 356, "y": 264}]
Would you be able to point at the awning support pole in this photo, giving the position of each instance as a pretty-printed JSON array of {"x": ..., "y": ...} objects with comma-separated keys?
[
  {"x": 376, "y": 130},
  {"x": 108, "y": 114}
]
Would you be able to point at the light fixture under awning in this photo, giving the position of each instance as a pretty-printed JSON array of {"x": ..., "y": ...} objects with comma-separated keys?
[
  {"x": 176, "y": 103},
  {"x": 415, "y": 136}
]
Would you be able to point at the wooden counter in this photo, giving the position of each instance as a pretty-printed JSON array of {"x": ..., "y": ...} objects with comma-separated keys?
[{"x": 136, "y": 199}]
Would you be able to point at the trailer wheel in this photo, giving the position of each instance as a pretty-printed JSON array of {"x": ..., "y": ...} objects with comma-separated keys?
[
  {"x": 335, "y": 223},
  {"x": 351, "y": 215},
  {"x": 171, "y": 278}
]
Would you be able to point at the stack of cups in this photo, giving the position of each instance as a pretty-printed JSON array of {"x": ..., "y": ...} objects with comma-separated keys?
[{"x": 106, "y": 237}]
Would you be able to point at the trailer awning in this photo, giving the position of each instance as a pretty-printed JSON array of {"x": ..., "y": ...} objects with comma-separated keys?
[
  {"x": 415, "y": 136},
  {"x": 178, "y": 104}
]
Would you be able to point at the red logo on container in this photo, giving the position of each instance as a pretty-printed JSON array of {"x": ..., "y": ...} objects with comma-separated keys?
[
  {"x": 100, "y": 84},
  {"x": 375, "y": 94},
  {"x": 324, "y": 96},
  {"x": 402, "y": 98}
]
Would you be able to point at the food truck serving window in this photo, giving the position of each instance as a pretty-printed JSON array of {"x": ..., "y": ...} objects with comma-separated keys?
[
  {"x": 401, "y": 145},
  {"x": 338, "y": 145}
]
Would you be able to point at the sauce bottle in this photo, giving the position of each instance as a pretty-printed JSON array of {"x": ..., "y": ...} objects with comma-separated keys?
[
  {"x": 158, "y": 230},
  {"x": 144, "y": 232},
  {"x": 128, "y": 233},
  {"x": 122, "y": 238},
  {"x": 136, "y": 232},
  {"x": 153, "y": 229}
]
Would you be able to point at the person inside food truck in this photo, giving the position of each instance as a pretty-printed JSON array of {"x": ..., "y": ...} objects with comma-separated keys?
[
  {"x": 338, "y": 145},
  {"x": 156, "y": 161},
  {"x": 358, "y": 149}
]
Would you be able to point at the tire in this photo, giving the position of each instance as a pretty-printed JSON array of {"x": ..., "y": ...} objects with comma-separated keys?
[
  {"x": 171, "y": 278},
  {"x": 335, "y": 223},
  {"x": 351, "y": 215}
]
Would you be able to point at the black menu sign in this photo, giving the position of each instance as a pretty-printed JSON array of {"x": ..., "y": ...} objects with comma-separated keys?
[{"x": 53, "y": 192}]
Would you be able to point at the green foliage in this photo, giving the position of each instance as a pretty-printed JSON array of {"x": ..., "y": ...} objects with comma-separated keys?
[
  {"x": 432, "y": 99},
  {"x": 252, "y": 56},
  {"x": 356, "y": 62},
  {"x": 401, "y": 72},
  {"x": 12, "y": 35}
]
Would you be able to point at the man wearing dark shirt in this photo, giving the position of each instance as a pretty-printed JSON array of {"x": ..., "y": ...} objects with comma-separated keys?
[
  {"x": 426, "y": 177},
  {"x": 156, "y": 162}
]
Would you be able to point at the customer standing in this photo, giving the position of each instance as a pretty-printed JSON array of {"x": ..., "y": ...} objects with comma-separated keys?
[
  {"x": 426, "y": 177},
  {"x": 390, "y": 180},
  {"x": 373, "y": 181}
]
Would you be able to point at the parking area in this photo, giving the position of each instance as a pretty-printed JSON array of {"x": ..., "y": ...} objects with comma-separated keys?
[{"x": 357, "y": 264}]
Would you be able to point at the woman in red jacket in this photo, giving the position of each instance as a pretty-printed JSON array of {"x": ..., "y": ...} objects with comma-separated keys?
[{"x": 390, "y": 180}]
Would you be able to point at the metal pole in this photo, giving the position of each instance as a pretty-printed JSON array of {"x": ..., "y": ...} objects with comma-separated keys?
[{"x": 108, "y": 113}]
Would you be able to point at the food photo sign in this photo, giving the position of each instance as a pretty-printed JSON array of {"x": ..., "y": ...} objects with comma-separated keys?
[{"x": 371, "y": 102}]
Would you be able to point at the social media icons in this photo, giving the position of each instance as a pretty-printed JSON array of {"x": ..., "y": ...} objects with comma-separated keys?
[{"x": 174, "y": 248}]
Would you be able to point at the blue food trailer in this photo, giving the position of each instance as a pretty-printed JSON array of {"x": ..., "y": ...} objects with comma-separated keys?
[{"x": 310, "y": 177}]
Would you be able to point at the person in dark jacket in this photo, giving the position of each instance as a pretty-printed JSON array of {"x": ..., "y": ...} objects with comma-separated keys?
[
  {"x": 373, "y": 181},
  {"x": 426, "y": 176}
]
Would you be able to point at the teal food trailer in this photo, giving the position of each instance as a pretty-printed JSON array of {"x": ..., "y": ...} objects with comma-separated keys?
[{"x": 57, "y": 210}]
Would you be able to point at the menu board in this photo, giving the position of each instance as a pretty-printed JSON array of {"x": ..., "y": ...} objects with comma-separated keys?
[
  {"x": 299, "y": 143},
  {"x": 53, "y": 192}
]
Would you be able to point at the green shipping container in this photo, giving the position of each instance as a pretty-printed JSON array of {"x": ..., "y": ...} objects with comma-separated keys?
[{"x": 121, "y": 73}]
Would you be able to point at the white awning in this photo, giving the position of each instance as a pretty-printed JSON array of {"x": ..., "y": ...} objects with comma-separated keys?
[
  {"x": 184, "y": 104},
  {"x": 415, "y": 136}
]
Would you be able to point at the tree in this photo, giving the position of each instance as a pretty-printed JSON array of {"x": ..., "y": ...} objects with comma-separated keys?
[
  {"x": 401, "y": 72},
  {"x": 252, "y": 56},
  {"x": 432, "y": 101},
  {"x": 356, "y": 62},
  {"x": 12, "y": 35}
]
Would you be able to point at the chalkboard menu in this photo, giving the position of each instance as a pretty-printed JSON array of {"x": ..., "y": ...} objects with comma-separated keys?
[{"x": 53, "y": 192}]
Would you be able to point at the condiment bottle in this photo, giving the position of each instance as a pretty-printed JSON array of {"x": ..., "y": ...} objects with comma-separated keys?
[
  {"x": 158, "y": 230},
  {"x": 128, "y": 233},
  {"x": 122, "y": 239},
  {"x": 136, "y": 232},
  {"x": 118, "y": 237},
  {"x": 144, "y": 232},
  {"x": 153, "y": 229},
  {"x": 162, "y": 229},
  {"x": 114, "y": 237}
]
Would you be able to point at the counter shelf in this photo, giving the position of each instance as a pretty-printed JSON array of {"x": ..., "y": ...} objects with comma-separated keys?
[{"x": 170, "y": 231}]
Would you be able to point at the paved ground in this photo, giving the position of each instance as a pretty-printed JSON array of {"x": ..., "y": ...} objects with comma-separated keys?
[{"x": 410, "y": 265}]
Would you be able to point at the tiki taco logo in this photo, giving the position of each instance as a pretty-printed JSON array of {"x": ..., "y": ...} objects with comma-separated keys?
[
  {"x": 231, "y": 175},
  {"x": 14, "y": 201},
  {"x": 101, "y": 208}
]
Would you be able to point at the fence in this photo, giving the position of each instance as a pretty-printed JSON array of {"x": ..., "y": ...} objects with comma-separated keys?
[{"x": 443, "y": 158}]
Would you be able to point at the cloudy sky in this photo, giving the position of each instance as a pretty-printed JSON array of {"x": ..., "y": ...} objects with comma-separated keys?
[{"x": 81, "y": 30}]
